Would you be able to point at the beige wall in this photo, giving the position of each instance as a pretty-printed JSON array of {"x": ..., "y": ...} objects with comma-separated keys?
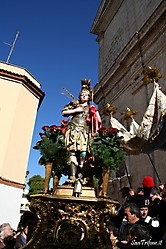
[
  {"x": 17, "y": 115},
  {"x": 20, "y": 97},
  {"x": 18, "y": 108}
]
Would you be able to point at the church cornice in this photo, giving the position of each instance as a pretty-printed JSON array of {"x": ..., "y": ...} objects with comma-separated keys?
[{"x": 107, "y": 10}]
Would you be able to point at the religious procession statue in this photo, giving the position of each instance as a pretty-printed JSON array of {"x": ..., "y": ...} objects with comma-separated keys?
[
  {"x": 84, "y": 121},
  {"x": 80, "y": 148},
  {"x": 74, "y": 214}
]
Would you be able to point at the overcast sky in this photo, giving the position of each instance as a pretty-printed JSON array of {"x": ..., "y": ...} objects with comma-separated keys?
[{"x": 55, "y": 45}]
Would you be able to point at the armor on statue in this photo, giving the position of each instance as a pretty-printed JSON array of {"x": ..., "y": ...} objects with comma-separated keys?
[{"x": 81, "y": 126}]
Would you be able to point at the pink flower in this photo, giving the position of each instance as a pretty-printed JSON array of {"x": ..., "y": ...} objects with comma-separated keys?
[
  {"x": 45, "y": 128},
  {"x": 113, "y": 130},
  {"x": 103, "y": 129},
  {"x": 53, "y": 127}
]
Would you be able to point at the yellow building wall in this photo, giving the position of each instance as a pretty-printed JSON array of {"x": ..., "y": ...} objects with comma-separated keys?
[
  {"x": 18, "y": 113},
  {"x": 18, "y": 108}
]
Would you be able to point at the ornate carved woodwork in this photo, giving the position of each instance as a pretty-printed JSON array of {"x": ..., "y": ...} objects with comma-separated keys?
[{"x": 71, "y": 222}]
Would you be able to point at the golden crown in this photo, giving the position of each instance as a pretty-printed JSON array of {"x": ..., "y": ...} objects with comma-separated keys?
[{"x": 85, "y": 85}]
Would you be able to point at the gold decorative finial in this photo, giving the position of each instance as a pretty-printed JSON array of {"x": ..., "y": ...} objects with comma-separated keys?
[
  {"x": 109, "y": 109},
  {"x": 129, "y": 113},
  {"x": 151, "y": 75}
]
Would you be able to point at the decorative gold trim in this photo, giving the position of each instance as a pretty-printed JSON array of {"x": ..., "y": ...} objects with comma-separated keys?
[
  {"x": 71, "y": 222},
  {"x": 152, "y": 75}
]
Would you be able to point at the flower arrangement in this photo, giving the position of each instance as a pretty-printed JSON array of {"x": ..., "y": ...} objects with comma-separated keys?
[
  {"x": 106, "y": 151},
  {"x": 52, "y": 148}
]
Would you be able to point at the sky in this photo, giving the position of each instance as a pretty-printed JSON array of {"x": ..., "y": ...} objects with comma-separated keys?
[{"x": 55, "y": 45}]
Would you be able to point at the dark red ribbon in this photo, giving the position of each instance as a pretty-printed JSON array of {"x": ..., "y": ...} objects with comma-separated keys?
[{"x": 92, "y": 114}]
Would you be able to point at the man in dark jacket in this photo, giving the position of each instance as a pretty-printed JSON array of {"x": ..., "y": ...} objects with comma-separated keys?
[{"x": 132, "y": 215}]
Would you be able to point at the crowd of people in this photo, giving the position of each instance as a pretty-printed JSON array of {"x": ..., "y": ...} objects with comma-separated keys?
[
  {"x": 11, "y": 239},
  {"x": 141, "y": 219}
]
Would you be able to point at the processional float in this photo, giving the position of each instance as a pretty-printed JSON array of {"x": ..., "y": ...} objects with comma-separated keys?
[
  {"x": 75, "y": 214},
  {"x": 67, "y": 220}
]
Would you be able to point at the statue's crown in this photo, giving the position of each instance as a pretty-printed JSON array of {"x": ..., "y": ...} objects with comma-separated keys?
[{"x": 85, "y": 85}]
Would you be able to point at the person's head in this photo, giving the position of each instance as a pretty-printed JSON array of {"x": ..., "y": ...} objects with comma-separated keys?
[
  {"x": 5, "y": 230},
  {"x": 144, "y": 212},
  {"x": 155, "y": 194},
  {"x": 27, "y": 216},
  {"x": 126, "y": 192},
  {"x": 147, "y": 184},
  {"x": 131, "y": 213},
  {"x": 140, "y": 191},
  {"x": 28, "y": 222},
  {"x": 142, "y": 204},
  {"x": 138, "y": 232},
  {"x": 113, "y": 230}
]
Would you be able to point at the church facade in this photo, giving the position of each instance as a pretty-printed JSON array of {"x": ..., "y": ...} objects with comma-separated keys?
[{"x": 131, "y": 36}]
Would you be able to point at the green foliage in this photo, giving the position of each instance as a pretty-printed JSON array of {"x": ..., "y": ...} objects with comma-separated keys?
[
  {"x": 52, "y": 149},
  {"x": 36, "y": 184},
  {"x": 106, "y": 150}
]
